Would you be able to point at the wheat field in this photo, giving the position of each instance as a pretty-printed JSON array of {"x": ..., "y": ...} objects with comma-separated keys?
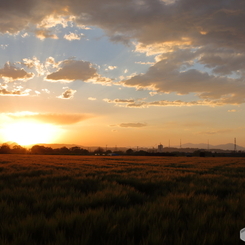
[{"x": 55, "y": 200}]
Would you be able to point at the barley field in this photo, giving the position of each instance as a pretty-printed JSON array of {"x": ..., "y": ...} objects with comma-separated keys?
[{"x": 121, "y": 200}]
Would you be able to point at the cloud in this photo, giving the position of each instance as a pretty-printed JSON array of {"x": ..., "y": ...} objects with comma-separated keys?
[
  {"x": 175, "y": 73},
  {"x": 10, "y": 73},
  {"x": 70, "y": 70},
  {"x": 148, "y": 22},
  {"x": 45, "y": 90},
  {"x": 145, "y": 63},
  {"x": 34, "y": 63},
  {"x": 15, "y": 92},
  {"x": 68, "y": 94},
  {"x": 25, "y": 35},
  {"x": 43, "y": 33},
  {"x": 91, "y": 98},
  {"x": 129, "y": 125},
  {"x": 112, "y": 67},
  {"x": 153, "y": 93},
  {"x": 182, "y": 33},
  {"x": 119, "y": 101},
  {"x": 232, "y": 110},
  {"x": 53, "y": 20},
  {"x": 4, "y": 46},
  {"x": 57, "y": 119},
  {"x": 50, "y": 62},
  {"x": 132, "y": 125},
  {"x": 130, "y": 103},
  {"x": 220, "y": 131},
  {"x": 73, "y": 36}
]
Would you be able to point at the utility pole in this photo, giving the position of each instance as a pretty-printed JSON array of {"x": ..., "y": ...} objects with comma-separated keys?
[{"x": 234, "y": 144}]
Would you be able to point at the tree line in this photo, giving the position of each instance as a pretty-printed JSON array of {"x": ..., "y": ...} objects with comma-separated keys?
[
  {"x": 40, "y": 149},
  {"x": 44, "y": 150},
  {"x": 76, "y": 150}
]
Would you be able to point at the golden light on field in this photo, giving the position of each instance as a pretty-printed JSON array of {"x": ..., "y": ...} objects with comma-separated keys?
[{"x": 26, "y": 133}]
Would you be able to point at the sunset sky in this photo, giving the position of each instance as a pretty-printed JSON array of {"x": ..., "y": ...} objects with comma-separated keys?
[{"x": 122, "y": 72}]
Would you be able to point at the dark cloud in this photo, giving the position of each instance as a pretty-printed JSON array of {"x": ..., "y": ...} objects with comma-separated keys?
[
  {"x": 21, "y": 15},
  {"x": 71, "y": 70},
  {"x": 149, "y": 22},
  {"x": 187, "y": 32},
  {"x": 10, "y": 73},
  {"x": 173, "y": 73}
]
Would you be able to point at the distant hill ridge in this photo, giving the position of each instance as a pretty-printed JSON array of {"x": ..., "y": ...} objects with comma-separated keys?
[{"x": 228, "y": 146}]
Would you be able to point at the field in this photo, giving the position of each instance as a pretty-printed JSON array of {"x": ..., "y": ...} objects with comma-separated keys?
[{"x": 115, "y": 200}]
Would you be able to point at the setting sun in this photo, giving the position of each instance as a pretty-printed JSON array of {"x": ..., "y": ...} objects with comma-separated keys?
[{"x": 26, "y": 133}]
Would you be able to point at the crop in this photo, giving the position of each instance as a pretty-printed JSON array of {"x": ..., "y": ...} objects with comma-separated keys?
[{"x": 55, "y": 200}]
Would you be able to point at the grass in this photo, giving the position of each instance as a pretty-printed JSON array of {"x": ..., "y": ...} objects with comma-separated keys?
[{"x": 121, "y": 200}]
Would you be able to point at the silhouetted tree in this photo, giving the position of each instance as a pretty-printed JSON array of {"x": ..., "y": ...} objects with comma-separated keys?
[
  {"x": 118, "y": 152},
  {"x": 129, "y": 152},
  {"x": 5, "y": 149},
  {"x": 99, "y": 150},
  {"x": 76, "y": 150},
  {"x": 108, "y": 152},
  {"x": 18, "y": 149},
  {"x": 39, "y": 149},
  {"x": 63, "y": 150},
  {"x": 85, "y": 152},
  {"x": 141, "y": 153}
]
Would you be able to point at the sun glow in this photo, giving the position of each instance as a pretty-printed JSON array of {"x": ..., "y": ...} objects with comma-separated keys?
[{"x": 27, "y": 133}]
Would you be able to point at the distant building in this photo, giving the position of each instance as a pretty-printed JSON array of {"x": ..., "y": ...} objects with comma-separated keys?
[{"x": 160, "y": 148}]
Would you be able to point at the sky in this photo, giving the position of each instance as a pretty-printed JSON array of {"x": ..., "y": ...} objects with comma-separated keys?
[{"x": 122, "y": 73}]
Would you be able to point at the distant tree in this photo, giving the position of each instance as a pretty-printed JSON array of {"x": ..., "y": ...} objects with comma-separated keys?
[
  {"x": 85, "y": 152},
  {"x": 63, "y": 150},
  {"x": 129, "y": 151},
  {"x": 141, "y": 153},
  {"x": 99, "y": 150},
  {"x": 108, "y": 152},
  {"x": 5, "y": 149},
  {"x": 48, "y": 150},
  {"x": 18, "y": 149},
  {"x": 76, "y": 150},
  {"x": 39, "y": 149},
  {"x": 118, "y": 152}
]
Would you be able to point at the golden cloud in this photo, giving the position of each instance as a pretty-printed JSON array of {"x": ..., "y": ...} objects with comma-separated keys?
[{"x": 57, "y": 119}]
